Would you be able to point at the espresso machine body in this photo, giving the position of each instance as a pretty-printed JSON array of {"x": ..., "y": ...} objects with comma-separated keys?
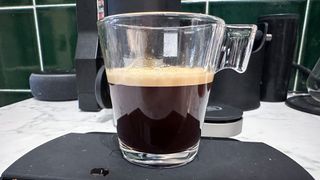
[{"x": 88, "y": 58}]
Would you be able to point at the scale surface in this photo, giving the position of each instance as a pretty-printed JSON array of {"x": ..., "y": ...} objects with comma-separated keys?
[{"x": 73, "y": 156}]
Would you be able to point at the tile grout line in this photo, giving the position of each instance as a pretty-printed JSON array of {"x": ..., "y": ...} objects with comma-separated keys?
[
  {"x": 15, "y": 90},
  {"x": 37, "y": 34},
  {"x": 301, "y": 46},
  {"x": 56, "y": 5},
  {"x": 207, "y": 6},
  {"x": 37, "y": 6},
  {"x": 15, "y": 7},
  {"x": 192, "y": 1}
]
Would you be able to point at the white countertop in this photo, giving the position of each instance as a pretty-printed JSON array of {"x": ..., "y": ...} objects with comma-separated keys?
[{"x": 30, "y": 123}]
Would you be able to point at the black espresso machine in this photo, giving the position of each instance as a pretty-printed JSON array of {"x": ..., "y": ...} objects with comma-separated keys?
[{"x": 88, "y": 56}]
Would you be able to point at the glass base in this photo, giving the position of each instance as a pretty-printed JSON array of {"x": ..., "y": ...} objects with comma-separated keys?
[{"x": 158, "y": 160}]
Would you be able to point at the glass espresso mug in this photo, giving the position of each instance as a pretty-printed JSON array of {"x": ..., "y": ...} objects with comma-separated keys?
[{"x": 160, "y": 67}]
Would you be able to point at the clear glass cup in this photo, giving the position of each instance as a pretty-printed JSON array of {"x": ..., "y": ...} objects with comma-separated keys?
[
  {"x": 160, "y": 67},
  {"x": 313, "y": 82}
]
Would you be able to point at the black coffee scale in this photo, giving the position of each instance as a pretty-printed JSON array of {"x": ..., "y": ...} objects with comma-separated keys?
[{"x": 97, "y": 155}]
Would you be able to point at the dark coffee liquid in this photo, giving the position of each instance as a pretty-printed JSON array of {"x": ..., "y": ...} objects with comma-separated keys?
[{"x": 159, "y": 119}]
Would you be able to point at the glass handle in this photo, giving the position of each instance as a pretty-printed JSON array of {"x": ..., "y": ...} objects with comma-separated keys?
[{"x": 236, "y": 47}]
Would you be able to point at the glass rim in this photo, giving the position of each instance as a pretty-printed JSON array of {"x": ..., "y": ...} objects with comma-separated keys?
[{"x": 113, "y": 20}]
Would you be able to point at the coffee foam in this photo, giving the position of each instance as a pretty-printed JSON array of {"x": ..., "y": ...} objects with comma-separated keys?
[{"x": 159, "y": 76}]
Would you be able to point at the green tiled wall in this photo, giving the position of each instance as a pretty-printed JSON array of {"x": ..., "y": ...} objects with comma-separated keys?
[
  {"x": 198, "y": 7},
  {"x": 18, "y": 48},
  {"x": 248, "y": 11},
  {"x": 19, "y": 52},
  {"x": 15, "y": 2},
  {"x": 311, "y": 49},
  {"x": 312, "y": 46},
  {"x": 19, "y": 55},
  {"x": 55, "y": 1},
  {"x": 58, "y": 38}
]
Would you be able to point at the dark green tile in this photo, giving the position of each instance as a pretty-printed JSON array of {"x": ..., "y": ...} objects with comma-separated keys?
[
  {"x": 58, "y": 36},
  {"x": 312, "y": 37},
  {"x": 12, "y": 97},
  {"x": 18, "y": 48},
  {"x": 248, "y": 11},
  {"x": 197, "y": 7},
  {"x": 55, "y": 1},
  {"x": 15, "y": 2},
  {"x": 311, "y": 51}
]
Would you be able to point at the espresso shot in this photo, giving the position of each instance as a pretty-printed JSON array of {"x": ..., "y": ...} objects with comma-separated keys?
[{"x": 159, "y": 110}]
